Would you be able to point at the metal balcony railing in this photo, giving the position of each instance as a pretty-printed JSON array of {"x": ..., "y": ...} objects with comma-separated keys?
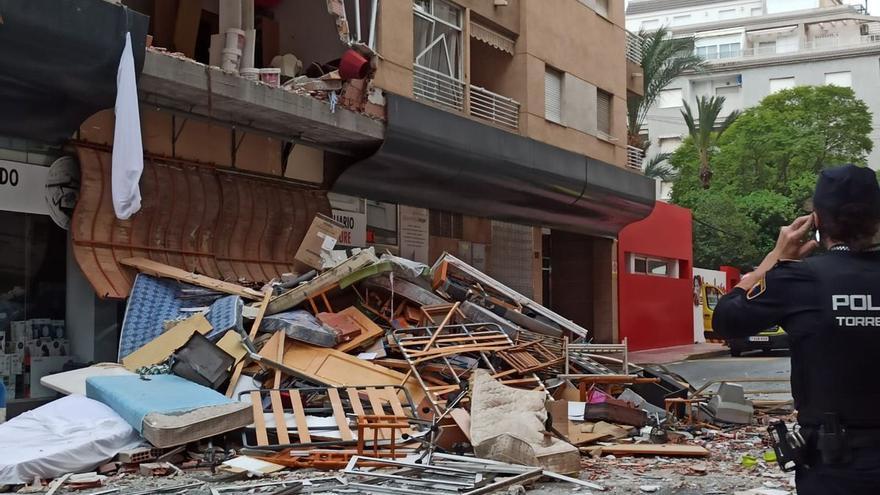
[
  {"x": 434, "y": 86},
  {"x": 634, "y": 48},
  {"x": 815, "y": 45},
  {"x": 634, "y": 158},
  {"x": 493, "y": 107}
]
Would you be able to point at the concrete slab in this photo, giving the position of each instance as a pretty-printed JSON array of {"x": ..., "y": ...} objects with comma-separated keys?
[{"x": 181, "y": 84}]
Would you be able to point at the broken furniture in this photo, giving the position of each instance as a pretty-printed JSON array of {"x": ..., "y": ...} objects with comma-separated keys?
[
  {"x": 458, "y": 348},
  {"x": 529, "y": 357},
  {"x": 202, "y": 362},
  {"x": 729, "y": 405},
  {"x": 615, "y": 411},
  {"x": 168, "y": 410},
  {"x": 687, "y": 409},
  {"x": 507, "y": 424},
  {"x": 583, "y": 356},
  {"x": 325, "y": 415}
]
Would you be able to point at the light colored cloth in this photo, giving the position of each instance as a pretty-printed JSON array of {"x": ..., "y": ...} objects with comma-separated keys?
[
  {"x": 70, "y": 435},
  {"x": 128, "y": 150}
]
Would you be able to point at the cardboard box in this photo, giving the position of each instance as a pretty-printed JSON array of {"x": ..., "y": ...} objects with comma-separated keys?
[
  {"x": 41, "y": 328},
  {"x": 40, "y": 367},
  {"x": 58, "y": 330},
  {"x": 322, "y": 236},
  {"x": 58, "y": 347},
  {"x": 17, "y": 363},
  {"x": 19, "y": 331}
]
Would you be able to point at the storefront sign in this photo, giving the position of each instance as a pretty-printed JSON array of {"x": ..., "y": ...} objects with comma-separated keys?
[
  {"x": 21, "y": 187},
  {"x": 354, "y": 233},
  {"x": 414, "y": 233}
]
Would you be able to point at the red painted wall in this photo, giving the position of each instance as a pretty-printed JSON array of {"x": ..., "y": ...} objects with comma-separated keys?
[
  {"x": 657, "y": 311},
  {"x": 733, "y": 276}
]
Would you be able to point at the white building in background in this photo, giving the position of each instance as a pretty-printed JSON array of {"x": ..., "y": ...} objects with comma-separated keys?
[{"x": 757, "y": 47}]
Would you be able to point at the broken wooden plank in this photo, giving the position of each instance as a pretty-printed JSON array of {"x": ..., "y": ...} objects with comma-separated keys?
[
  {"x": 160, "y": 348},
  {"x": 157, "y": 269},
  {"x": 369, "y": 330},
  {"x": 322, "y": 282},
  {"x": 655, "y": 449},
  {"x": 236, "y": 374}
]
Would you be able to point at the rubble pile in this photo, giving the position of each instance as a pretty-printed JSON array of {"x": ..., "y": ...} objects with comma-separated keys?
[{"x": 365, "y": 374}]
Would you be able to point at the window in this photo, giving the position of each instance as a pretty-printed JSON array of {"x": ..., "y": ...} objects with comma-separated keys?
[
  {"x": 766, "y": 48},
  {"x": 727, "y": 14},
  {"x": 781, "y": 83},
  {"x": 842, "y": 79},
  {"x": 670, "y": 98},
  {"x": 681, "y": 19},
  {"x": 603, "y": 111},
  {"x": 446, "y": 224},
  {"x": 712, "y": 52},
  {"x": 757, "y": 11},
  {"x": 657, "y": 267},
  {"x": 732, "y": 99},
  {"x": 669, "y": 144},
  {"x": 553, "y": 95},
  {"x": 381, "y": 223},
  {"x": 713, "y": 295},
  {"x": 437, "y": 50}
]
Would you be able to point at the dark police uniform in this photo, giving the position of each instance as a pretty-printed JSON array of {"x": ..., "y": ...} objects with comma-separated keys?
[{"x": 830, "y": 307}]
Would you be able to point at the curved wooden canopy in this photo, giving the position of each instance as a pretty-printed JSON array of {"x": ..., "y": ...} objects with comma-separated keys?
[{"x": 208, "y": 220}]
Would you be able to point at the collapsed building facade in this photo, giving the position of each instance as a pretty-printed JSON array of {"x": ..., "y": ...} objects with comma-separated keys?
[{"x": 492, "y": 130}]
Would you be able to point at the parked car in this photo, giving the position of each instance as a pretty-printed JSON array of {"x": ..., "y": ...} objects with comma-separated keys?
[{"x": 771, "y": 339}]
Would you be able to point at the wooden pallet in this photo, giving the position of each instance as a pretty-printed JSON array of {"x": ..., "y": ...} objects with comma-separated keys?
[
  {"x": 529, "y": 357},
  {"x": 344, "y": 404}
]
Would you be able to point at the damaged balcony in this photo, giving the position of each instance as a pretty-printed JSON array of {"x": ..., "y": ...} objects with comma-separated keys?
[
  {"x": 441, "y": 40},
  {"x": 246, "y": 65}
]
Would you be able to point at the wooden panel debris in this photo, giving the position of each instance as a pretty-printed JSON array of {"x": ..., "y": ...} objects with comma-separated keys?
[
  {"x": 195, "y": 217},
  {"x": 656, "y": 449}
]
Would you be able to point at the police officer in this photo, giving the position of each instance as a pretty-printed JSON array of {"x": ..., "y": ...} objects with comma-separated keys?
[{"x": 829, "y": 305}]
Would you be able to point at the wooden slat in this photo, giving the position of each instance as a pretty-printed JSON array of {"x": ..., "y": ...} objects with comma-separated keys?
[
  {"x": 280, "y": 422},
  {"x": 355, "y": 400},
  {"x": 339, "y": 414},
  {"x": 299, "y": 413},
  {"x": 378, "y": 409},
  {"x": 396, "y": 406},
  {"x": 259, "y": 419},
  {"x": 162, "y": 270},
  {"x": 279, "y": 357},
  {"x": 655, "y": 449},
  {"x": 236, "y": 373}
]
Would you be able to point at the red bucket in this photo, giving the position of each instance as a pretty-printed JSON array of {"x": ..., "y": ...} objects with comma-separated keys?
[{"x": 353, "y": 65}]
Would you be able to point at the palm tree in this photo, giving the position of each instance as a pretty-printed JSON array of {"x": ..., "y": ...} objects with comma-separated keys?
[
  {"x": 657, "y": 168},
  {"x": 705, "y": 131},
  {"x": 663, "y": 60}
]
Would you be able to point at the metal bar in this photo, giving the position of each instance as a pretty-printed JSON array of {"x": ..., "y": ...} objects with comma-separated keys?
[{"x": 373, "y": 13}]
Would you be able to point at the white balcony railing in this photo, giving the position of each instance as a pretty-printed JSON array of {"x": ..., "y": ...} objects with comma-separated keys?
[
  {"x": 812, "y": 46},
  {"x": 434, "y": 86},
  {"x": 493, "y": 107},
  {"x": 634, "y": 48},
  {"x": 634, "y": 158}
]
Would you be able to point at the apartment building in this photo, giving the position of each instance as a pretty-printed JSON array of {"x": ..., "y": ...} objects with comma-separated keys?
[
  {"x": 754, "y": 48},
  {"x": 492, "y": 129}
]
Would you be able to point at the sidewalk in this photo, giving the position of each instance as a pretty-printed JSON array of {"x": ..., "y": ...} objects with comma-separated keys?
[{"x": 678, "y": 353}]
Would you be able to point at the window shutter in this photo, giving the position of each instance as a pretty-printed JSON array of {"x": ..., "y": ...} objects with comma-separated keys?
[
  {"x": 553, "y": 95},
  {"x": 603, "y": 112}
]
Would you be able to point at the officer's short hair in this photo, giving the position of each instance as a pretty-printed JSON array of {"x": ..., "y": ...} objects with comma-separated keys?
[{"x": 847, "y": 200}]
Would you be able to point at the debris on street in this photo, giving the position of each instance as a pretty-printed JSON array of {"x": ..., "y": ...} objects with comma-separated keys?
[{"x": 384, "y": 374}]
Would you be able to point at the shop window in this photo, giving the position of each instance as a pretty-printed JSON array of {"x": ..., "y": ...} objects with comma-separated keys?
[
  {"x": 381, "y": 223},
  {"x": 446, "y": 224},
  {"x": 657, "y": 267}
]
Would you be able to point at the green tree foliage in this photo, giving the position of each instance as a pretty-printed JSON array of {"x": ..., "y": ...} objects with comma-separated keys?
[
  {"x": 664, "y": 58},
  {"x": 705, "y": 130},
  {"x": 764, "y": 169}
]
